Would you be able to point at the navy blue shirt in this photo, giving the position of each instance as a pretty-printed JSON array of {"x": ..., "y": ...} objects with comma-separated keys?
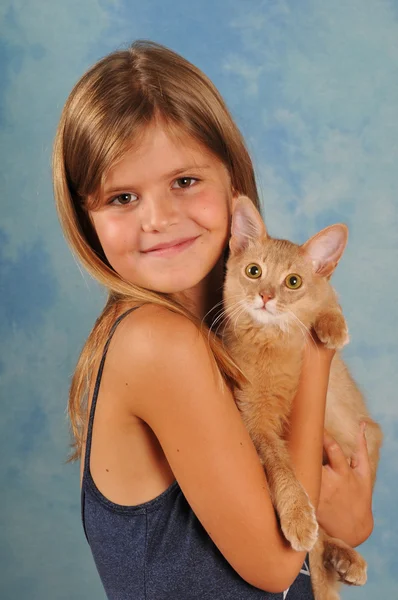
[{"x": 158, "y": 550}]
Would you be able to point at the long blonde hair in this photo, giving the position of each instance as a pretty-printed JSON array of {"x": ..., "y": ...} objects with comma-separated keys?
[{"x": 106, "y": 113}]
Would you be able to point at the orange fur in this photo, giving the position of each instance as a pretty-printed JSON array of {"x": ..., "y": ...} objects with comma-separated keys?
[{"x": 267, "y": 342}]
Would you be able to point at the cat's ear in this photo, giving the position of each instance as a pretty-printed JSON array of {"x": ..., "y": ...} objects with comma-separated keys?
[
  {"x": 247, "y": 225},
  {"x": 326, "y": 248}
]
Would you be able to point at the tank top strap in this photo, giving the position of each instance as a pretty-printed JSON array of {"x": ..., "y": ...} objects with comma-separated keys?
[{"x": 96, "y": 389}]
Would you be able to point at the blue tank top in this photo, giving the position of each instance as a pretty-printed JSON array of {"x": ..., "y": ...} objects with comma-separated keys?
[{"x": 159, "y": 550}]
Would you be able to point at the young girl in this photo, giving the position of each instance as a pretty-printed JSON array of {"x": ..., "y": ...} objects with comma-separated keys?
[{"x": 175, "y": 505}]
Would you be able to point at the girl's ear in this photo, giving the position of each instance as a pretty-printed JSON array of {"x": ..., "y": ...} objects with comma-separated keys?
[
  {"x": 247, "y": 224},
  {"x": 326, "y": 248}
]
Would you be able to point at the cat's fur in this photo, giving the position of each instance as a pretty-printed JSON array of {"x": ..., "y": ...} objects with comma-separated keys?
[{"x": 265, "y": 331}]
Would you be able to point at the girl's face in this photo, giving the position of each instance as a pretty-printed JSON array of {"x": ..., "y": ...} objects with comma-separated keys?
[{"x": 164, "y": 217}]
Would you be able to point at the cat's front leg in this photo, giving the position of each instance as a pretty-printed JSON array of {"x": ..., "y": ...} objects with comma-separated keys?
[
  {"x": 296, "y": 514},
  {"x": 331, "y": 328}
]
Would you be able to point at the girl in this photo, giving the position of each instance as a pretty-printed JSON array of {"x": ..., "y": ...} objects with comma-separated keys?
[{"x": 175, "y": 505}]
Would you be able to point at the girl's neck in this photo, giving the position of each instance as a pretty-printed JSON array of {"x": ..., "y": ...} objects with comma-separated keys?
[{"x": 204, "y": 299}]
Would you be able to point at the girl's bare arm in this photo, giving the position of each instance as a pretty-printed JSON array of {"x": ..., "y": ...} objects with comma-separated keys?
[{"x": 305, "y": 437}]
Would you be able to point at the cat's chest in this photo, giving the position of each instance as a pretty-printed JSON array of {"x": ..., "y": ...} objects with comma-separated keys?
[{"x": 271, "y": 371}]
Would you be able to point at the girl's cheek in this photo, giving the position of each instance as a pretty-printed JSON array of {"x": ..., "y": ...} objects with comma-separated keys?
[
  {"x": 110, "y": 235},
  {"x": 213, "y": 206},
  {"x": 113, "y": 235}
]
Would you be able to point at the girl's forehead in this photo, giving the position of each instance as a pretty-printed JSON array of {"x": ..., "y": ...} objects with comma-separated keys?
[
  {"x": 159, "y": 151},
  {"x": 161, "y": 136}
]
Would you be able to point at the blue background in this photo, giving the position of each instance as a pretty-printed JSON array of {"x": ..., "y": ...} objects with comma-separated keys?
[{"x": 313, "y": 85}]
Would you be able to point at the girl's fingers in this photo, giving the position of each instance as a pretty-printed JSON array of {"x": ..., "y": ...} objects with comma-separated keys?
[{"x": 337, "y": 460}]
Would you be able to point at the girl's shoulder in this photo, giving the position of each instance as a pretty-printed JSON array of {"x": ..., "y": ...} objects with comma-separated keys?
[
  {"x": 151, "y": 342},
  {"x": 151, "y": 330}
]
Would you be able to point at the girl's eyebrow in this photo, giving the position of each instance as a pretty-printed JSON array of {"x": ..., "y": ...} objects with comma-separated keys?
[{"x": 173, "y": 173}]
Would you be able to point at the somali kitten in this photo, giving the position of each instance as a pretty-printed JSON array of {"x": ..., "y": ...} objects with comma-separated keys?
[{"x": 274, "y": 292}]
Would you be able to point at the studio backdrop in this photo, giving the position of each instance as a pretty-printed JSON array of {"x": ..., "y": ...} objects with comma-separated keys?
[{"x": 313, "y": 86}]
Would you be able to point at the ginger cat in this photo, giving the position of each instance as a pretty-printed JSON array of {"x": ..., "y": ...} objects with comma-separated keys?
[{"x": 274, "y": 291}]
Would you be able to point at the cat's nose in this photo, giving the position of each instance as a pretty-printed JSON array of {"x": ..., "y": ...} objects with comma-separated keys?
[{"x": 266, "y": 296}]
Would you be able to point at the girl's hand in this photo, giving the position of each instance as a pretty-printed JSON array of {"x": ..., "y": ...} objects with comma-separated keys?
[{"x": 345, "y": 503}]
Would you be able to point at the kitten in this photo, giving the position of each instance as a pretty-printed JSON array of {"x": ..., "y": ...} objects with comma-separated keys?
[{"x": 274, "y": 292}]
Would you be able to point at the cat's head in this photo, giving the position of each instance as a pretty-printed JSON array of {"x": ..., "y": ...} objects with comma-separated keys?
[{"x": 275, "y": 281}]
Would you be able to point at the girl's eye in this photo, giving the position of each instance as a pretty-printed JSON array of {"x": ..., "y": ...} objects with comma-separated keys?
[
  {"x": 253, "y": 271},
  {"x": 185, "y": 182},
  {"x": 123, "y": 199},
  {"x": 293, "y": 281}
]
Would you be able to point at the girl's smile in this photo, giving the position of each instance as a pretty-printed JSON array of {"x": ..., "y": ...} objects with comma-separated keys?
[{"x": 171, "y": 248}]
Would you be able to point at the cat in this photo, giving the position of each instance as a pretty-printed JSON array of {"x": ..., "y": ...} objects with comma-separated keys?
[{"x": 274, "y": 292}]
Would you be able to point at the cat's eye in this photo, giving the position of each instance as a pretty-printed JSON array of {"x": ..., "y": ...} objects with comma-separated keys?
[
  {"x": 253, "y": 271},
  {"x": 293, "y": 281}
]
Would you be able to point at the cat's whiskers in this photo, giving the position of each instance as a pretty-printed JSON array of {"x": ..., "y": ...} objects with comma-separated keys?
[
  {"x": 303, "y": 329},
  {"x": 218, "y": 315},
  {"x": 236, "y": 320},
  {"x": 223, "y": 314},
  {"x": 213, "y": 307},
  {"x": 234, "y": 310},
  {"x": 220, "y": 318},
  {"x": 223, "y": 309}
]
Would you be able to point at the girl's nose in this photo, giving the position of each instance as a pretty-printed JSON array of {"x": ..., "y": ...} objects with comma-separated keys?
[{"x": 158, "y": 213}]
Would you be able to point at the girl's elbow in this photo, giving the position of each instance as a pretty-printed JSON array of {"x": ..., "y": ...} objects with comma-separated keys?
[
  {"x": 273, "y": 584},
  {"x": 276, "y": 571},
  {"x": 290, "y": 569},
  {"x": 276, "y": 581}
]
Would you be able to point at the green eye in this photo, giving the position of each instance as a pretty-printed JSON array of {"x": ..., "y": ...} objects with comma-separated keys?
[
  {"x": 253, "y": 271},
  {"x": 293, "y": 281}
]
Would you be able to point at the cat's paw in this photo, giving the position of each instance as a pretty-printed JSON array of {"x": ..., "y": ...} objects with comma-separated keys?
[
  {"x": 298, "y": 521},
  {"x": 350, "y": 566},
  {"x": 331, "y": 328}
]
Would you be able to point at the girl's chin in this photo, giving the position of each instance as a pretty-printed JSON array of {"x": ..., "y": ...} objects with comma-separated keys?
[
  {"x": 170, "y": 281},
  {"x": 170, "y": 286}
]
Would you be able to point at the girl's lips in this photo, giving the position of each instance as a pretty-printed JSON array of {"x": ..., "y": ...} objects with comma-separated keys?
[{"x": 171, "y": 250}]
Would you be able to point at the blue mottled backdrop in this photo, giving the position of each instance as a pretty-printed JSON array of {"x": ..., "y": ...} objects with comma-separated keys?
[{"x": 313, "y": 85}]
